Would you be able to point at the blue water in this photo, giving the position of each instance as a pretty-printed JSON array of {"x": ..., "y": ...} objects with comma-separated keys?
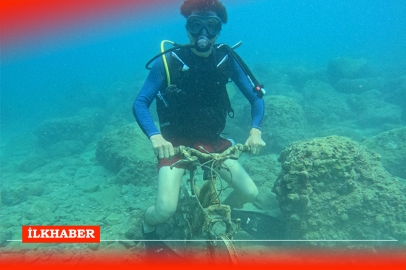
[{"x": 36, "y": 77}]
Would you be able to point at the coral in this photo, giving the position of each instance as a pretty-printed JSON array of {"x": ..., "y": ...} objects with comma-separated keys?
[{"x": 335, "y": 188}]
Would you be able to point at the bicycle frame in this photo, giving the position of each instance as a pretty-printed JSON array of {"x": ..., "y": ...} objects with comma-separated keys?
[{"x": 206, "y": 200}]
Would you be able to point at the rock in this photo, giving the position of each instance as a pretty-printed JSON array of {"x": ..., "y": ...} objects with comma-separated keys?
[
  {"x": 35, "y": 188},
  {"x": 282, "y": 89},
  {"x": 65, "y": 148},
  {"x": 298, "y": 75},
  {"x": 264, "y": 170},
  {"x": 334, "y": 188},
  {"x": 128, "y": 189},
  {"x": 114, "y": 218},
  {"x": 127, "y": 152},
  {"x": 395, "y": 93},
  {"x": 391, "y": 145},
  {"x": 90, "y": 187},
  {"x": 266, "y": 199},
  {"x": 284, "y": 122},
  {"x": 138, "y": 173},
  {"x": 133, "y": 224},
  {"x": 372, "y": 112},
  {"x": 314, "y": 117},
  {"x": 77, "y": 128},
  {"x": 31, "y": 163},
  {"x": 93, "y": 246},
  {"x": 346, "y": 68},
  {"x": 5, "y": 234},
  {"x": 107, "y": 196},
  {"x": 13, "y": 195},
  {"x": 358, "y": 86},
  {"x": 43, "y": 209},
  {"x": 330, "y": 103}
]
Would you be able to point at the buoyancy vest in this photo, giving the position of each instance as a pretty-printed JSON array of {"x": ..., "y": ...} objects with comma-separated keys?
[{"x": 196, "y": 104}]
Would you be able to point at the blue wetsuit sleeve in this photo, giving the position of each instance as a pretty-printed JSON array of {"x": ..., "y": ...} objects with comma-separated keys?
[
  {"x": 242, "y": 82},
  {"x": 155, "y": 82}
]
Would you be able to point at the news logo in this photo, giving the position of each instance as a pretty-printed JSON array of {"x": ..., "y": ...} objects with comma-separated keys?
[{"x": 61, "y": 234}]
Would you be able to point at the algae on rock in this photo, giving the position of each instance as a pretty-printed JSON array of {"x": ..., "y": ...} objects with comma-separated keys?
[{"x": 333, "y": 188}]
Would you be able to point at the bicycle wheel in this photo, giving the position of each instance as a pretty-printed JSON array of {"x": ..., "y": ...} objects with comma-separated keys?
[{"x": 221, "y": 250}]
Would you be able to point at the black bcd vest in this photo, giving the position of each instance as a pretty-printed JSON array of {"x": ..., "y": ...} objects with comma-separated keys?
[{"x": 196, "y": 104}]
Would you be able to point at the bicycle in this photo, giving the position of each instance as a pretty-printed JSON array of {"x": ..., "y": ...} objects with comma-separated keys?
[{"x": 200, "y": 208}]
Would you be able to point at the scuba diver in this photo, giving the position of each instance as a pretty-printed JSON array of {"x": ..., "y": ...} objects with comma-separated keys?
[{"x": 189, "y": 85}]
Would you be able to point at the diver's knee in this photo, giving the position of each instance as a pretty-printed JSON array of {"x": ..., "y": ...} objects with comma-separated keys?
[
  {"x": 163, "y": 214},
  {"x": 252, "y": 194}
]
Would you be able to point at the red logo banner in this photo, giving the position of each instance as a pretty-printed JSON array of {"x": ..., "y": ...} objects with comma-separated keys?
[{"x": 61, "y": 234}]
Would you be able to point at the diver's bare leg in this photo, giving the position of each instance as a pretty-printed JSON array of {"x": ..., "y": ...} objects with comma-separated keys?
[
  {"x": 167, "y": 200},
  {"x": 245, "y": 189}
]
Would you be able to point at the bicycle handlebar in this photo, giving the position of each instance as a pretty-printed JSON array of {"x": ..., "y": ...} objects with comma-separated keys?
[{"x": 195, "y": 157}]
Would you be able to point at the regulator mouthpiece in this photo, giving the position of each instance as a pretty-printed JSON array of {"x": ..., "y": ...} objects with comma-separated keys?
[{"x": 202, "y": 44}]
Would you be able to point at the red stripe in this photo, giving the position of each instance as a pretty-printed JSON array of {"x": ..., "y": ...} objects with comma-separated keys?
[
  {"x": 135, "y": 259},
  {"x": 27, "y": 18}
]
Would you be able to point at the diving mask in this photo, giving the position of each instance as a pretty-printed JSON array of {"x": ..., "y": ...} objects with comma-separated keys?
[{"x": 196, "y": 23}]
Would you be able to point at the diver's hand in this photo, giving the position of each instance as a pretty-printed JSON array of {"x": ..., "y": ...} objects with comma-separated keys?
[
  {"x": 162, "y": 148},
  {"x": 255, "y": 141}
]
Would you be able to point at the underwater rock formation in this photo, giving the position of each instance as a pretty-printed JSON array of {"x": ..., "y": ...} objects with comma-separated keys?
[
  {"x": 13, "y": 195},
  {"x": 127, "y": 152},
  {"x": 372, "y": 112},
  {"x": 31, "y": 163},
  {"x": 65, "y": 148},
  {"x": 264, "y": 170},
  {"x": 284, "y": 122},
  {"x": 346, "y": 68},
  {"x": 81, "y": 127},
  {"x": 358, "y": 86},
  {"x": 333, "y": 188},
  {"x": 396, "y": 94},
  {"x": 391, "y": 145},
  {"x": 323, "y": 97}
]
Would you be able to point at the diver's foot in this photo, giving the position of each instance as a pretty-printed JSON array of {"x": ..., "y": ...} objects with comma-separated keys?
[{"x": 156, "y": 247}]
